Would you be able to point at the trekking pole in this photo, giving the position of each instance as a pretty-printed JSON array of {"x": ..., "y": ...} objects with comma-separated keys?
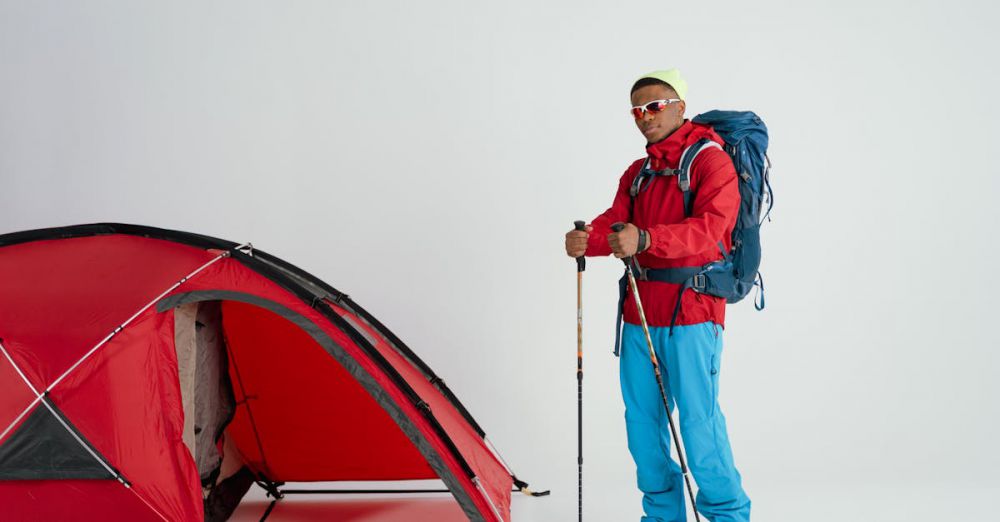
[
  {"x": 617, "y": 227},
  {"x": 581, "y": 265}
]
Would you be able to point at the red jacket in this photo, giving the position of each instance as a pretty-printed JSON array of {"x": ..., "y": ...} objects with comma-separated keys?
[{"x": 676, "y": 240}]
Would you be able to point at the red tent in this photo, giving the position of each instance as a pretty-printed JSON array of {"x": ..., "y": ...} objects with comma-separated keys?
[{"x": 150, "y": 374}]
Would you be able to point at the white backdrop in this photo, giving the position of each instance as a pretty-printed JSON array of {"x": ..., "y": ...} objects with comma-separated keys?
[{"x": 427, "y": 157}]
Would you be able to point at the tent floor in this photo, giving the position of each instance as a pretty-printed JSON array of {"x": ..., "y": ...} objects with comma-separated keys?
[
  {"x": 780, "y": 500},
  {"x": 330, "y": 507},
  {"x": 377, "y": 507}
]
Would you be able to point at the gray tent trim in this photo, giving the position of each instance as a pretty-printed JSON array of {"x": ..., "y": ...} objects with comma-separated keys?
[{"x": 43, "y": 448}]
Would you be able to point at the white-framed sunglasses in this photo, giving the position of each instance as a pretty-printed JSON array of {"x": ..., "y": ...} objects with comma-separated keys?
[{"x": 652, "y": 107}]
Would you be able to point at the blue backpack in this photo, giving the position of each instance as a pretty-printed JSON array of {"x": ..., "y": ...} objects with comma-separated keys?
[{"x": 733, "y": 276}]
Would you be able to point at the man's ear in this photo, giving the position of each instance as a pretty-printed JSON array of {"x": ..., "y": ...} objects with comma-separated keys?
[{"x": 681, "y": 108}]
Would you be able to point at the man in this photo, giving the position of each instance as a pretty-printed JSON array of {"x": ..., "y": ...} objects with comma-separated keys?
[{"x": 660, "y": 235}]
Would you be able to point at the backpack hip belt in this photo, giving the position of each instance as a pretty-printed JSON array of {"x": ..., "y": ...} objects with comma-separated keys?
[{"x": 688, "y": 277}]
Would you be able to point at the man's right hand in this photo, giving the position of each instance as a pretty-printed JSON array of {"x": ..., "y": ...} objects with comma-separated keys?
[{"x": 576, "y": 241}]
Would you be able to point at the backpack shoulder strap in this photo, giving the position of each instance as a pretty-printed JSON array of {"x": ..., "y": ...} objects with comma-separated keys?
[
  {"x": 645, "y": 175},
  {"x": 684, "y": 169},
  {"x": 633, "y": 191},
  {"x": 639, "y": 178}
]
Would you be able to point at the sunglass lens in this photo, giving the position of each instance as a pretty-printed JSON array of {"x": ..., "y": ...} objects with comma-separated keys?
[
  {"x": 637, "y": 112},
  {"x": 655, "y": 107}
]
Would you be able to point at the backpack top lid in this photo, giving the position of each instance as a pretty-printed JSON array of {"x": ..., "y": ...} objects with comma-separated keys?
[{"x": 736, "y": 126}]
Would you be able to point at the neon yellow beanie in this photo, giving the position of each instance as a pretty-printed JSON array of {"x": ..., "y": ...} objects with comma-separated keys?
[{"x": 671, "y": 77}]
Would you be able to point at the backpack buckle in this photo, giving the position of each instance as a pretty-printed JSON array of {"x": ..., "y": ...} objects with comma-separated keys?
[
  {"x": 698, "y": 282},
  {"x": 684, "y": 181}
]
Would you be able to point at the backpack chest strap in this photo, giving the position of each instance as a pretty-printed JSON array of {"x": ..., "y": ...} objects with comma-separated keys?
[
  {"x": 647, "y": 173},
  {"x": 683, "y": 173}
]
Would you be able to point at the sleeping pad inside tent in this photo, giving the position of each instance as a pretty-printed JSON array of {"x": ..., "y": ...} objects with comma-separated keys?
[{"x": 150, "y": 374}]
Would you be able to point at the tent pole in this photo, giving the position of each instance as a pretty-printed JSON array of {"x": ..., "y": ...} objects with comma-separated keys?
[
  {"x": 116, "y": 331},
  {"x": 118, "y": 476}
]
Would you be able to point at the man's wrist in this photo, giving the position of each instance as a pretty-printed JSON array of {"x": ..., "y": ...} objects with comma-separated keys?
[{"x": 643, "y": 241}]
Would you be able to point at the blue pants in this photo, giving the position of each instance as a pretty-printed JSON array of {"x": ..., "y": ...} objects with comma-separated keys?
[{"x": 689, "y": 363}]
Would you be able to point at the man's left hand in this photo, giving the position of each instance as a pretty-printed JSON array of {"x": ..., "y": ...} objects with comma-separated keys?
[{"x": 624, "y": 243}]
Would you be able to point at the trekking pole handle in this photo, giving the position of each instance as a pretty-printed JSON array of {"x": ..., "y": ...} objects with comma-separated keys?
[
  {"x": 581, "y": 262},
  {"x": 618, "y": 227}
]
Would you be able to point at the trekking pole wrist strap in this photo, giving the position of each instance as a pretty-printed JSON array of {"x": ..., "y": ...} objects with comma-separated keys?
[{"x": 643, "y": 241}]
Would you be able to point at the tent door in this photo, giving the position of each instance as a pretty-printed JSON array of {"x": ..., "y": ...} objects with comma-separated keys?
[{"x": 209, "y": 405}]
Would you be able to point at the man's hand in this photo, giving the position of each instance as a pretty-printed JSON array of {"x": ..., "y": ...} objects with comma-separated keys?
[
  {"x": 624, "y": 243},
  {"x": 576, "y": 241}
]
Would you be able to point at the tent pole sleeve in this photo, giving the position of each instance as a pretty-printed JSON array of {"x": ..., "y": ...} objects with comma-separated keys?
[
  {"x": 137, "y": 314},
  {"x": 18, "y": 368},
  {"x": 479, "y": 485},
  {"x": 118, "y": 476},
  {"x": 38, "y": 396},
  {"x": 26, "y": 381}
]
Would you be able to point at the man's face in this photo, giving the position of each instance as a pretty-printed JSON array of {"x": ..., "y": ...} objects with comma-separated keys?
[{"x": 655, "y": 127}]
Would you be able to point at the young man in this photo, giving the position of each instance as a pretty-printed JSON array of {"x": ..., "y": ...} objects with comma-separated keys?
[{"x": 660, "y": 235}]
